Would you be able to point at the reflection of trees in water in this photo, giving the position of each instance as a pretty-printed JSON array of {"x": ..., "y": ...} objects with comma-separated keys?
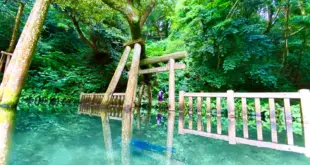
[{"x": 144, "y": 147}]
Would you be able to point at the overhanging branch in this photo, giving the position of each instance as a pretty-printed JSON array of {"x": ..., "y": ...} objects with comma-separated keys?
[
  {"x": 147, "y": 12},
  {"x": 116, "y": 4}
]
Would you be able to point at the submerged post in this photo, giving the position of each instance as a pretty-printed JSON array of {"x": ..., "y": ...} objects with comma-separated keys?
[
  {"x": 128, "y": 104},
  {"x": 305, "y": 109},
  {"x": 171, "y": 108},
  {"x": 139, "y": 107},
  {"x": 105, "y": 102},
  {"x": 149, "y": 96},
  {"x": 181, "y": 112},
  {"x": 231, "y": 117}
]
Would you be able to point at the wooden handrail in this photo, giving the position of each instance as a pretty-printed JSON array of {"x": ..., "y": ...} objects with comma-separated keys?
[
  {"x": 292, "y": 95},
  {"x": 303, "y": 95},
  {"x": 6, "y": 53}
]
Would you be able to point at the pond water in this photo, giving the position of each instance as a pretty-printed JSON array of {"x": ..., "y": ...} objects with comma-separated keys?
[{"x": 72, "y": 139}]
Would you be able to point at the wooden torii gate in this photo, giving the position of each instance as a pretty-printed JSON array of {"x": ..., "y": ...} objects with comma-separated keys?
[{"x": 128, "y": 102}]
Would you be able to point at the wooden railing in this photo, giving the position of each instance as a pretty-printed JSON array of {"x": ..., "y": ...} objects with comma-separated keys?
[
  {"x": 5, "y": 58},
  {"x": 230, "y": 96},
  {"x": 90, "y": 104}
]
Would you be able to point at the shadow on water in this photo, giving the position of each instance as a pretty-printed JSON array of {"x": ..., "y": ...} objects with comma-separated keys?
[{"x": 72, "y": 139}]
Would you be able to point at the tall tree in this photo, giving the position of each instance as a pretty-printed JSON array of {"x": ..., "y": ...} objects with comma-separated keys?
[
  {"x": 15, "y": 76},
  {"x": 136, "y": 13}
]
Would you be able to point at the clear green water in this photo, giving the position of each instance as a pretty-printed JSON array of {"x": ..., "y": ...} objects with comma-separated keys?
[{"x": 71, "y": 139}]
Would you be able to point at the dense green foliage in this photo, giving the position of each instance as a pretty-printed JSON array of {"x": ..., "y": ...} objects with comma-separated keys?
[{"x": 231, "y": 48}]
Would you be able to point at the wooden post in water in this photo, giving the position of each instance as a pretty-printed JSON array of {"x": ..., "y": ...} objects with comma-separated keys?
[
  {"x": 171, "y": 110},
  {"x": 231, "y": 117},
  {"x": 139, "y": 106},
  {"x": 245, "y": 118},
  {"x": 288, "y": 121},
  {"x": 218, "y": 114},
  {"x": 305, "y": 108},
  {"x": 190, "y": 112},
  {"x": 181, "y": 112},
  {"x": 199, "y": 119},
  {"x": 149, "y": 95},
  {"x": 208, "y": 114},
  {"x": 105, "y": 102},
  {"x": 259, "y": 126},
  {"x": 274, "y": 133},
  {"x": 128, "y": 104}
]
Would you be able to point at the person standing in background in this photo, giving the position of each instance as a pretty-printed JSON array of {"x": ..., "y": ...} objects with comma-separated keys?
[{"x": 160, "y": 99}]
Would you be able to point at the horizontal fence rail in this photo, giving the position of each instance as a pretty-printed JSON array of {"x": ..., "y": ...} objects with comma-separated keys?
[
  {"x": 90, "y": 104},
  {"x": 187, "y": 111}
]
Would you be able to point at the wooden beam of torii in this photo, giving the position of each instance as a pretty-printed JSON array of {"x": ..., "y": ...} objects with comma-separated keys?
[
  {"x": 163, "y": 58},
  {"x": 177, "y": 66}
]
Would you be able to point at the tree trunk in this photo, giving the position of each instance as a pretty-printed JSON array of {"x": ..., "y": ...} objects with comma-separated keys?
[
  {"x": 15, "y": 76},
  {"x": 6, "y": 127},
  {"x": 286, "y": 33},
  {"x": 16, "y": 27},
  {"x": 270, "y": 19}
]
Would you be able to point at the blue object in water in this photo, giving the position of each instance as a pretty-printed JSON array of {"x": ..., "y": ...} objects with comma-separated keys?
[{"x": 142, "y": 145}]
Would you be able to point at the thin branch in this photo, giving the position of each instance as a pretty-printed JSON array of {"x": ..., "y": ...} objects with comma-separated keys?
[
  {"x": 232, "y": 9},
  {"x": 147, "y": 12},
  {"x": 299, "y": 30},
  {"x": 82, "y": 36},
  {"x": 276, "y": 15}
]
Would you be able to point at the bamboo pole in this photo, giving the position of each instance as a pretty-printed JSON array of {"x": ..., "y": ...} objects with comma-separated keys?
[
  {"x": 305, "y": 109},
  {"x": 128, "y": 104},
  {"x": 171, "y": 115}
]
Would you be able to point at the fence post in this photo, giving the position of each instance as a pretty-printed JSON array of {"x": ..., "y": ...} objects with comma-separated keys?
[
  {"x": 231, "y": 117},
  {"x": 181, "y": 112},
  {"x": 305, "y": 109}
]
